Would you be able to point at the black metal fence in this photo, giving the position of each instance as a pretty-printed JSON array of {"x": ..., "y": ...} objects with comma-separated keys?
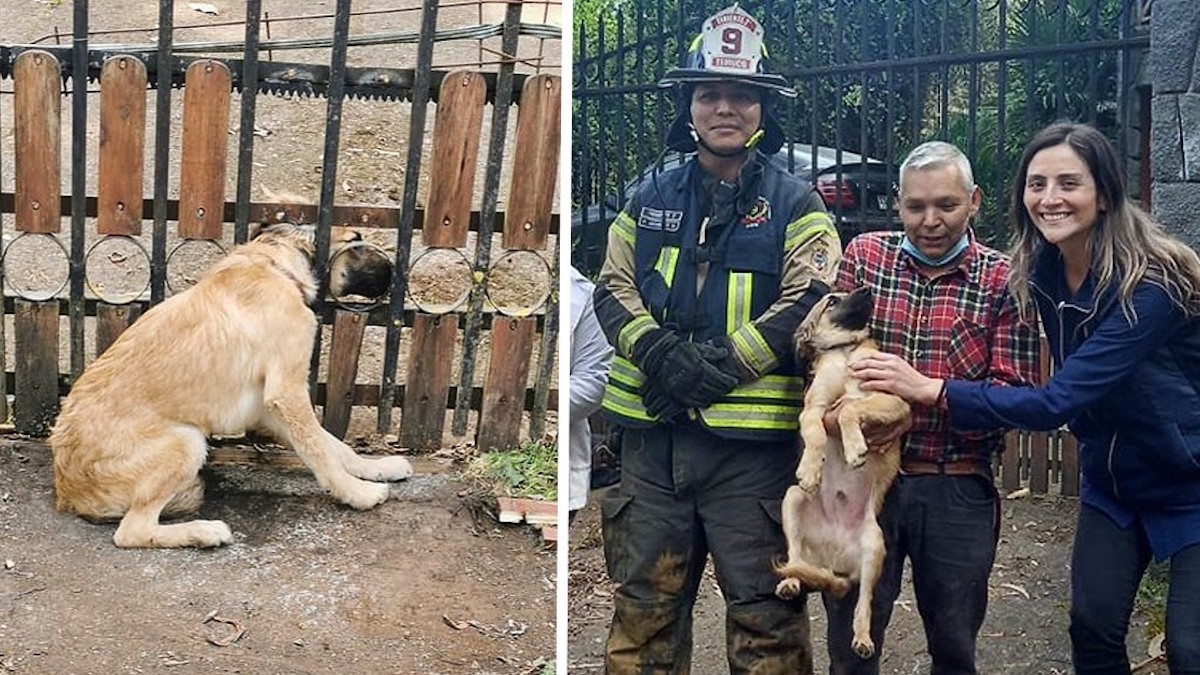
[
  {"x": 875, "y": 77},
  {"x": 521, "y": 392}
]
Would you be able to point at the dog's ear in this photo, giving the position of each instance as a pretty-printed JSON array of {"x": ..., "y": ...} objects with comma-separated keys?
[{"x": 801, "y": 341}]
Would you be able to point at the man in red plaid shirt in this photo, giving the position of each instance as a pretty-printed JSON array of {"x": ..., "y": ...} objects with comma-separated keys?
[{"x": 940, "y": 302}]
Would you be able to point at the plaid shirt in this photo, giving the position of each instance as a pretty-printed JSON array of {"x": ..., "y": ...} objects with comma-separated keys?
[{"x": 958, "y": 325}]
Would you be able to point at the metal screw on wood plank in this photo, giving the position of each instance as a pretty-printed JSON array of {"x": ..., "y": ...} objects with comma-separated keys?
[
  {"x": 35, "y": 205},
  {"x": 200, "y": 212}
]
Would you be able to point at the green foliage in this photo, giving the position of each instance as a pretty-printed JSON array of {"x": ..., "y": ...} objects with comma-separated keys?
[
  {"x": 1151, "y": 601},
  {"x": 530, "y": 470}
]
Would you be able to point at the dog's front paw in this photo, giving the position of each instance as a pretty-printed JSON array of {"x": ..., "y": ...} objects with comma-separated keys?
[
  {"x": 856, "y": 460},
  {"x": 209, "y": 533},
  {"x": 863, "y": 646},
  {"x": 788, "y": 589},
  {"x": 364, "y": 495},
  {"x": 385, "y": 468},
  {"x": 808, "y": 476}
]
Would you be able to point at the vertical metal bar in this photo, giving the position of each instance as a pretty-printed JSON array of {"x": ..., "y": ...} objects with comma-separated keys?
[
  {"x": 640, "y": 77},
  {"x": 944, "y": 103},
  {"x": 333, "y": 129},
  {"x": 658, "y": 59},
  {"x": 1125, "y": 22},
  {"x": 623, "y": 169},
  {"x": 487, "y": 215},
  {"x": 815, "y": 87},
  {"x": 1094, "y": 94},
  {"x": 416, "y": 132},
  {"x": 863, "y": 114},
  {"x": 546, "y": 352},
  {"x": 162, "y": 148},
  {"x": 973, "y": 86},
  {"x": 1031, "y": 21},
  {"x": 1002, "y": 107},
  {"x": 917, "y": 98},
  {"x": 79, "y": 128},
  {"x": 890, "y": 133},
  {"x": 602, "y": 113},
  {"x": 839, "y": 31},
  {"x": 241, "y": 223},
  {"x": 1060, "y": 75}
]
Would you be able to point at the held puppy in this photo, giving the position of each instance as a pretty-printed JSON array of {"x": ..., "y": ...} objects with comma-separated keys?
[
  {"x": 229, "y": 355},
  {"x": 834, "y": 541}
]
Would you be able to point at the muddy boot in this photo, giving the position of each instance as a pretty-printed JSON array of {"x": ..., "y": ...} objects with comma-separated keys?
[
  {"x": 649, "y": 638},
  {"x": 769, "y": 638}
]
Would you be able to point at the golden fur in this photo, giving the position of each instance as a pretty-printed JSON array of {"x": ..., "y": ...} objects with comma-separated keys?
[
  {"x": 229, "y": 355},
  {"x": 829, "y": 517}
]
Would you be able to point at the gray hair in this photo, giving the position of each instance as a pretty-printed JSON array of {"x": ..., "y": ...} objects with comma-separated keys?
[{"x": 934, "y": 155}]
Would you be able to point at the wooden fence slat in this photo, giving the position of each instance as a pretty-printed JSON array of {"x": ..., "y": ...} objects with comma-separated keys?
[
  {"x": 1070, "y": 464},
  {"x": 205, "y": 141},
  {"x": 535, "y": 162},
  {"x": 37, "y": 110},
  {"x": 455, "y": 148},
  {"x": 427, "y": 384},
  {"x": 344, "y": 349},
  {"x": 1010, "y": 462},
  {"x": 36, "y": 346},
  {"x": 504, "y": 388},
  {"x": 1039, "y": 462},
  {"x": 122, "y": 141},
  {"x": 111, "y": 321}
]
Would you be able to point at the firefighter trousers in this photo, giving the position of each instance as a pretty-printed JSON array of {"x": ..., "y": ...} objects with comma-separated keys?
[{"x": 686, "y": 493}]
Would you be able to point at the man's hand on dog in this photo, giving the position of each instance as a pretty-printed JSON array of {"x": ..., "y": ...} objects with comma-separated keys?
[{"x": 893, "y": 375}]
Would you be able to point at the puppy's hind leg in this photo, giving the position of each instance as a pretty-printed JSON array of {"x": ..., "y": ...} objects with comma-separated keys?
[
  {"x": 797, "y": 572},
  {"x": 368, "y": 468},
  {"x": 169, "y": 478},
  {"x": 873, "y": 554}
]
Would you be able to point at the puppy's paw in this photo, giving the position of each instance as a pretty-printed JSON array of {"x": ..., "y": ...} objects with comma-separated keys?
[
  {"x": 808, "y": 477},
  {"x": 384, "y": 468},
  {"x": 788, "y": 589},
  {"x": 209, "y": 533},
  {"x": 856, "y": 461},
  {"x": 363, "y": 495},
  {"x": 863, "y": 646}
]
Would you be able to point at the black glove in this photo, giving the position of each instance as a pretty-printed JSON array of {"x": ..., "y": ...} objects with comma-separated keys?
[
  {"x": 678, "y": 369},
  {"x": 660, "y": 404},
  {"x": 719, "y": 352}
]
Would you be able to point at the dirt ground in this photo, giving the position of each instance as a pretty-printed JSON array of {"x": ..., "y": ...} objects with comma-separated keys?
[
  {"x": 424, "y": 583},
  {"x": 1025, "y": 632}
]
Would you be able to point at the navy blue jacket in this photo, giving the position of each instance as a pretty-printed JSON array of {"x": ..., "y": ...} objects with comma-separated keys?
[{"x": 1129, "y": 391}]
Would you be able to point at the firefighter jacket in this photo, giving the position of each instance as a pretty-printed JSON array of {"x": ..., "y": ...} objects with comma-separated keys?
[{"x": 708, "y": 259}]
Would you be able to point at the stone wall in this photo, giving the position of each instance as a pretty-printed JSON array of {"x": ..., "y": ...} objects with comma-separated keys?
[{"x": 1175, "y": 134}]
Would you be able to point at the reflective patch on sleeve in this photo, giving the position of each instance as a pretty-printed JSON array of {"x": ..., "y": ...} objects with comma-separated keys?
[
  {"x": 753, "y": 348},
  {"x": 803, "y": 230},
  {"x": 632, "y": 331},
  {"x": 624, "y": 227}
]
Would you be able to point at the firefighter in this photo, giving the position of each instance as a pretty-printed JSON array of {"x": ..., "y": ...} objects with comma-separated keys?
[{"x": 709, "y": 269}]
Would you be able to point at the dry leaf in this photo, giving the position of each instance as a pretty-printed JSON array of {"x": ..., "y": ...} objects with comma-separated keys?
[{"x": 1016, "y": 588}]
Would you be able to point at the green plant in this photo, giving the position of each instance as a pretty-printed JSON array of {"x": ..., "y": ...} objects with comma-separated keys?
[
  {"x": 1151, "y": 601},
  {"x": 529, "y": 470}
]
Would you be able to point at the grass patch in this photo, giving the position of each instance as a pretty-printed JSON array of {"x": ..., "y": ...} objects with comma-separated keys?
[
  {"x": 529, "y": 470},
  {"x": 1151, "y": 600}
]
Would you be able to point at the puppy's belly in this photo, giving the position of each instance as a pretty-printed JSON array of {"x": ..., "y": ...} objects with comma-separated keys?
[
  {"x": 237, "y": 415},
  {"x": 835, "y": 520}
]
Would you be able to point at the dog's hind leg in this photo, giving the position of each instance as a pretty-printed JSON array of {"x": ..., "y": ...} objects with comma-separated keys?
[
  {"x": 873, "y": 554},
  {"x": 171, "y": 481},
  {"x": 368, "y": 468},
  {"x": 289, "y": 417}
]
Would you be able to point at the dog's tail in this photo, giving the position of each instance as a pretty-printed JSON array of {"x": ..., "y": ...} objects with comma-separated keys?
[{"x": 815, "y": 578}]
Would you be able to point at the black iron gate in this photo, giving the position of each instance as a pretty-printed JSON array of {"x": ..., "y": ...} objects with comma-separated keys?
[{"x": 875, "y": 77}]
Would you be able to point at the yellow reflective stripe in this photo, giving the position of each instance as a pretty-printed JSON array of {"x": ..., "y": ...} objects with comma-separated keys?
[
  {"x": 624, "y": 403},
  {"x": 807, "y": 227},
  {"x": 623, "y": 370},
  {"x": 789, "y": 388},
  {"x": 636, "y": 328},
  {"x": 753, "y": 348},
  {"x": 737, "y": 306},
  {"x": 751, "y": 416},
  {"x": 624, "y": 227},
  {"x": 668, "y": 258}
]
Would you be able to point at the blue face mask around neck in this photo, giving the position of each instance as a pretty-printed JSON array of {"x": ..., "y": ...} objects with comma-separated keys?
[{"x": 910, "y": 248}]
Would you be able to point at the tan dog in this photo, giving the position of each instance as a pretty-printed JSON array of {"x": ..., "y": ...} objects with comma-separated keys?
[
  {"x": 829, "y": 517},
  {"x": 229, "y": 355}
]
